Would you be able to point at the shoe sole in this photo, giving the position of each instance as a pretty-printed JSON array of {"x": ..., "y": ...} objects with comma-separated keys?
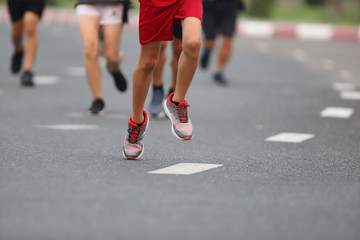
[{"x": 172, "y": 125}]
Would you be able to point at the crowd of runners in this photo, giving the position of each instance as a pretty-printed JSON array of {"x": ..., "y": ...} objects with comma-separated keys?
[{"x": 183, "y": 22}]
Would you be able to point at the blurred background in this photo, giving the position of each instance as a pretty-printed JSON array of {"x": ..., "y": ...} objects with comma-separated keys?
[{"x": 339, "y": 12}]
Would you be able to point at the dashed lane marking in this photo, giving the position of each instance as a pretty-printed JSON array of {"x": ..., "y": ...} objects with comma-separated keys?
[
  {"x": 69, "y": 127},
  {"x": 106, "y": 115},
  {"x": 341, "y": 86},
  {"x": 46, "y": 80},
  {"x": 76, "y": 71},
  {"x": 290, "y": 137},
  {"x": 350, "y": 95},
  {"x": 186, "y": 168},
  {"x": 337, "y": 112}
]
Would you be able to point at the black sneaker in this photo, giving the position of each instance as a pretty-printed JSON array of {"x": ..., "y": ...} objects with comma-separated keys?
[
  {"x": 204, "y": 59},
  {"x": 16, "y": 62},
  {"x": 120, "y": 81},
  {"x": 220, "y": 79},
  {"x": 97, "y": 107},
  {"x": 27, "y": 79}
]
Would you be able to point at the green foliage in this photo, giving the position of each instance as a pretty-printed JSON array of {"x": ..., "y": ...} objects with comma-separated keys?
[
  {"x": 315, "y": 2},
  {"x": 260, "y": 8}
]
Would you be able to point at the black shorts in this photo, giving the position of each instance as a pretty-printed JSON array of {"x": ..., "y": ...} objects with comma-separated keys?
[
  {"x": 177, "y": 30},
  {"x": 17, "y": 8},
  {"x": 219, "y": 17}
]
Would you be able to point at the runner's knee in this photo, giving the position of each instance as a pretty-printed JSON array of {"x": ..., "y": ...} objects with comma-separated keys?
[{"x": 192, "y": 47}]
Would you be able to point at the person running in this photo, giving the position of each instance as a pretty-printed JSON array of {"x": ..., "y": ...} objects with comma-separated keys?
[
  {"x": 219, "y": 16},
  {"x": 156, "y": 25},
  {"x": 102, "y": 21},
  {"x": 155, "y": 107},
  {"x": 25, "y": 16}
]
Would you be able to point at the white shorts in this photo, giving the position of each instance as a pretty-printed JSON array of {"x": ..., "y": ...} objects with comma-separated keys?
[{"x": 109, "y": 14}]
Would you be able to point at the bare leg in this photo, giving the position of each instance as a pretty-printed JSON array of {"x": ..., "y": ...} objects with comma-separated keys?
[
  {"x": 17, "y": 35},
  {"x": 159, "y": 69},
  {"x": 176, "y": 51},
  {"x": 142, "y": 77},
  {"x": 31, "y": 21},
  {"x": 224, "y": 53},
  {"x": 189, "y": 57},
  {"x": 112, "y": 40},
  {"x": 89, "y": 29}
]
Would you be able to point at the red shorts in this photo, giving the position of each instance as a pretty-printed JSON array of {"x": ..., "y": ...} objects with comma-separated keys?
[{"x": 156, "y": 23}]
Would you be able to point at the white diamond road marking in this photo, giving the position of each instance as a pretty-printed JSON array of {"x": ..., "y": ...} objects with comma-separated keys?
[
  {"x": 186, "y": 168},
  {"x": 45, "y": 80},
  {"x": 337, "y": 112},
  {"x": 290, "y": 137},
  {"x": 69, "y": 127},
  {"x": 341, "y": 86},
  {"x": 76, "y": 71},
  {"x": 350, "y": 95}
]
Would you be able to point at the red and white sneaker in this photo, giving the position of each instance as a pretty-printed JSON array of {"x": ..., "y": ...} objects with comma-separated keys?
[
  {"x": 133, "y": 143},
  {"x": 181, "y": 126}
]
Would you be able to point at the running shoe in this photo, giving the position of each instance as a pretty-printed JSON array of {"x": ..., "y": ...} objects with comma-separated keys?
[
  {"x": 97, "y": 107},
  {"x": 16, "y": 62},
  {"x": 133, "y": 143},
  {"x": 155, "y": 107},
  {"x": 27, "y": 79},
  {"x": 181, "y": 126},
  {"x": 204, "y": 59},
  {"x": 220, "y": 79},
  {"x": 119, "y": 81},
  {"x": 171, "y": 90}
]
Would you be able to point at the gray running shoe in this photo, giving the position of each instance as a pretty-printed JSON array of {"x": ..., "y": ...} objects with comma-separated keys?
[
  {"x": 156, "y": 108},
  {"x": 133, "y": 143},
  {"x": 181, "y": 126}
]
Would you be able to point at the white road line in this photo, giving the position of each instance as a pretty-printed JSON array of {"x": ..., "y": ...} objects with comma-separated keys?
[
  {"x": 290, "y": 137},
  {"x": 341, "y": 86},
  {"x": 69, "y": 127},
  {"x": 106, "y": 115},
  {"x": 350, "y": 95},
  {"x": 46, "y": 80},
  {"x": 300, "y": 55},
  {"x": 76, "y": 71},
  {"x": 186, "y": 168},
  {"x": 328, "y": 64},
  {"x": 337, "y": 112},
  {"x": 346, "y": 75}
]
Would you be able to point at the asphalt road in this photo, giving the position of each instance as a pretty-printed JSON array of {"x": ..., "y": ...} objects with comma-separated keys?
[{"x": 62, "y": 175}]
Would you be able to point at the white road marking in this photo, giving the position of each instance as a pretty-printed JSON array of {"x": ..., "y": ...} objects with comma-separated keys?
[
  {"x": 328, "y": 64},
  {"x": 300, "y": 55},
  {"x": 337, "y": 112},
  {"x": 350, "y": 95},
  {"x": 290, "y": 137},
  {"x": 107, "y": 115},
  {"x": 346, "y": 75},
  {"x": 341, "y": 86},
  {"x": 46, "y": 80},
  {"x": 76, "y": 71},
  {"x": 186, "y": 168},
  {"x": 69, "y": 127}
]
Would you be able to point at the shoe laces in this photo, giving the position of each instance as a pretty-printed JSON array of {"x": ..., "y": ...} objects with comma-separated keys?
[
  {"x": 135, "y": 133},
  {"x": 182, "y": 112}
]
